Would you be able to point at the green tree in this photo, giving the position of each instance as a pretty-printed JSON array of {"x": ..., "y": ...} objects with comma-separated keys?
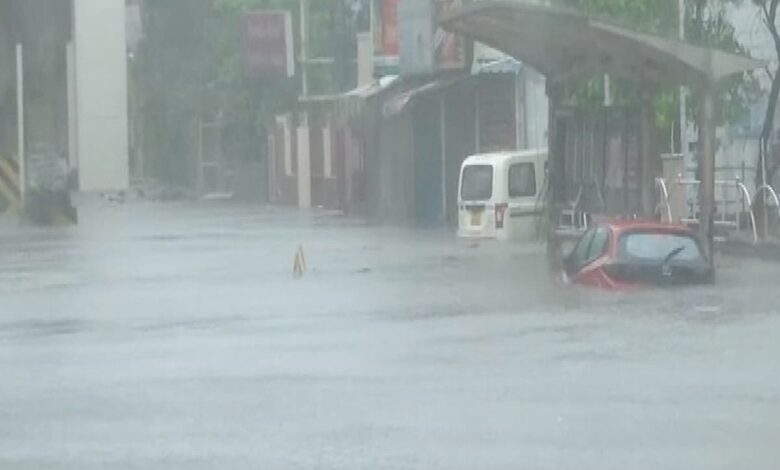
[
  {"x": 706, "y": 25},
  {"x": 651, "y": 16},
  {"x": 243, "y": 97},
  {"x": 273, "y": 96},
  {"x": 250, "y": 104},
  {"x": 190, "y": 67},
  {"x": 769, "y": 9},
  {"x": 174, "y": 69}
]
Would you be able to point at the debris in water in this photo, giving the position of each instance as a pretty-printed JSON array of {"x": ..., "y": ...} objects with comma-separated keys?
[
  {"x": 708, "y": 309},
  {"x": 299, "y": 263}
]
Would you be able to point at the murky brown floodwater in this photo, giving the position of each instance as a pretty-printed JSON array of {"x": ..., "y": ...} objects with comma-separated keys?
[{"x": 173, "y": 336}]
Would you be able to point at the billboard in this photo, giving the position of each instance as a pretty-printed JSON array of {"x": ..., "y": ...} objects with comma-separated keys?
[
  {"x": 415, "y": 20},
  {"x": 386, "y": 27},
  {"x": 425, "y": 47},
  {"x": 450, "y": 50},
  {"x": 268, "y": 44}
]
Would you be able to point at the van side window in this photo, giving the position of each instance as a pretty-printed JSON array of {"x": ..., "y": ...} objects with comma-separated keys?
[
  {"x": 477, "y": 184},
  {"x": 522, "y": 180}
]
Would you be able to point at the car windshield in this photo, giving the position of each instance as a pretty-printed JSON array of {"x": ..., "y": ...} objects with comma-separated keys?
[
  {"x": 477, "y": 183},
  {"x": 656, "y": 246}
]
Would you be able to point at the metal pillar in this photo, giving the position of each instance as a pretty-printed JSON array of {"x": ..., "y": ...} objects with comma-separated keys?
[
  {"x": 707, "y": 168},
  {"x": 20, "y": 131},
  {"x": 683, "y": 98},
  {"x": 556, "y": 150},
  {"x": 555, "y": 177},
  {"x": 304, "y": 58},
  {"x": 304, "y": 164},
  {"x": 650, "y": 158},
  {"x": 443, "y": 139},
  {"x": 70, "y": 55}
]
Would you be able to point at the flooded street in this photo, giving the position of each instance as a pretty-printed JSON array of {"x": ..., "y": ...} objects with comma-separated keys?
[{"x": 174, "y": 336}]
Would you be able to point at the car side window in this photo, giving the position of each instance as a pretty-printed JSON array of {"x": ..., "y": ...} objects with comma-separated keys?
[
  {"x": 598, "y": 245},
  {"x": 580, "y": 254}
]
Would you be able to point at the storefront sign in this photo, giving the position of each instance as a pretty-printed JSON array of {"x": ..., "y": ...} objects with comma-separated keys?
[{"x": 268, "y": 44}]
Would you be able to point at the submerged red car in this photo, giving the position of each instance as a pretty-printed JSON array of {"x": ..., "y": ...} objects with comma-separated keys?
[{"x": 630, "y": 253}]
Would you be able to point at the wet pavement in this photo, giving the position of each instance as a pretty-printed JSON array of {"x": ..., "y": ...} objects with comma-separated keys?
[{"x": 174, "y": 336}]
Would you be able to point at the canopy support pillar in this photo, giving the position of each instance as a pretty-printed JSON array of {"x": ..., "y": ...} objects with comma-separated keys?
[
  {"x": 650, "y": 158},
  {"x": 555, "y": 167},
  {"x": 707, "y": 168},
  {"x": 557, "y": 147}
]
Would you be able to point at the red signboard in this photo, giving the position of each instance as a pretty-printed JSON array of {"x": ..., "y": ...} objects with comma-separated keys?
[
  {"x": 388, "y": 27},
  {"x": 268, "y": 44},
  {"x": 450, "y": 49}
]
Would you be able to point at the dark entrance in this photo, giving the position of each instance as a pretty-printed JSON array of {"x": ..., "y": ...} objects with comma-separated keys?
[{"x": 427, "y": 161}]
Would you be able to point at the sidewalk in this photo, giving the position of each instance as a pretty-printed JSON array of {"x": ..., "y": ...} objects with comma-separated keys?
[{"x": 768, "y": 250}]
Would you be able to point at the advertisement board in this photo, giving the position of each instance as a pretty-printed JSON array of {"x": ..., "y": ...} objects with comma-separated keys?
[
  {"x": 425, "y": 47},
  {"x": 268, "y": 44},
  {"x": 450, "y": 50},
  {"x": 386, "y": 27}
]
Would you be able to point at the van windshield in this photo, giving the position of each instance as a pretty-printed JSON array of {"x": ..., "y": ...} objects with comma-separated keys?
[{"x": 477, "y": 184}]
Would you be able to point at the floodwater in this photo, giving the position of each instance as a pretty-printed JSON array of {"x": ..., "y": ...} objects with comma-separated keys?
[{"x": 174, "y": 336}]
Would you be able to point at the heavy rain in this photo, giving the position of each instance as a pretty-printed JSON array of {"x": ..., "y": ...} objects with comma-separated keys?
[{"x": 401, "y": 234}]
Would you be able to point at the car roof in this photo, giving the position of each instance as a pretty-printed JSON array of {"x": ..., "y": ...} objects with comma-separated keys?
[{"x": 630, "y": 225}]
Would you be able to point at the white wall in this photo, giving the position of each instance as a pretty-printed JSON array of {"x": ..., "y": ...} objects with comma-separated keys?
[
  {"x": 101, "y": 94},
  {"x": 537, "y": 108}
]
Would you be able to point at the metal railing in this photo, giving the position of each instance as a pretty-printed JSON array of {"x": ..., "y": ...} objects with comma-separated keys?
[
  {"x": 762, "y": 191},
  {"x": 660, "y": 184},
  {"x": 765, "y": 188},
  {"x": 577, "y": 219},
  {"x": 740, "y": 186}
]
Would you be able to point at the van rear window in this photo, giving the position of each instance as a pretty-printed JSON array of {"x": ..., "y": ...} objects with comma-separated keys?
[{"x": 477, "y": 184}]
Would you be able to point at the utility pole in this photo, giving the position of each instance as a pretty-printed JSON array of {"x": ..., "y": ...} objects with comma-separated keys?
[
  {"x": 304, "y": 27},
  {"x": 21, "y": 135},
  {"x": 343, "y": 32},
  {"x": 683, "y": 95}
]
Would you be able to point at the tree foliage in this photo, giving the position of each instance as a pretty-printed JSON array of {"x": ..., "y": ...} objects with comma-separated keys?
[
  {"x": 705, "y": 24},
  {"x": 651, "y": 16},
  {"x": 173, "y": 69},
  {"x": 769, "y": 11},
  {"x": 190, "y": 69}
]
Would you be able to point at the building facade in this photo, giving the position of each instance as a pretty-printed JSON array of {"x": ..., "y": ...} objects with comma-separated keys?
[{"x": 73, "y": 59}]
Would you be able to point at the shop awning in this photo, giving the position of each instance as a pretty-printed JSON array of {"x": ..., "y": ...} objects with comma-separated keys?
[
  {"x": 564, "y": 44},
  {"x": 352, "y": 103},
  {"x": 506, "y": 65},
  {"x": 397, "y": 103}
]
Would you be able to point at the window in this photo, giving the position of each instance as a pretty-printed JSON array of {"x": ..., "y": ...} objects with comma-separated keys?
[
  {"x": 654, "y": 246},
  {"x": 591, "y": 246},
  {"x": 522, "y": 180},
  {"x": 579, "y": 255},
  {"x": 598, "y": 246},
  {"x": 477, "y": 183}
]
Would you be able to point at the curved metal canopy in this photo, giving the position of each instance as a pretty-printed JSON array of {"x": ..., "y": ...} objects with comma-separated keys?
[{"x": 563, "y": 44}]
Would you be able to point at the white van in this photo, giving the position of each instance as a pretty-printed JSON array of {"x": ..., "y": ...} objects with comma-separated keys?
[{"x": 500, "y": 195}]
